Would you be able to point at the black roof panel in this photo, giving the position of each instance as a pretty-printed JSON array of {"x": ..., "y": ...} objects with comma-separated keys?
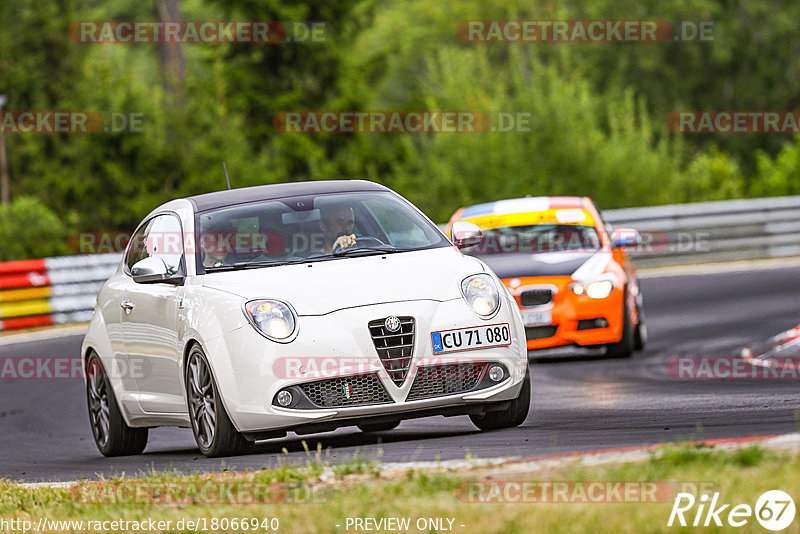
[{"x": 243, "y": 195}]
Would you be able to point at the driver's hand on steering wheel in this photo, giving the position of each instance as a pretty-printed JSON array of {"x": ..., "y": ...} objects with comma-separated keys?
[{"x": 344, "y": 241}]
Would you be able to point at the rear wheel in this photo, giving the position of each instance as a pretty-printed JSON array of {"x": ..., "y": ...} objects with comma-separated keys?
[
  {"x": 378, "y": 427},
  {"x": 514, "y": 415},
  {"x": 112, "y": 435},
  {"x": 213, "y": 430}
]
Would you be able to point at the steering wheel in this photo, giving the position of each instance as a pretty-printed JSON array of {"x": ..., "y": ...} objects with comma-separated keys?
[{"x": 364, "y": 240}]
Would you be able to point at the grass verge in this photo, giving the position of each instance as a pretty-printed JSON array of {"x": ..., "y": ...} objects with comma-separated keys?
[{"x": 320, "y": 496}]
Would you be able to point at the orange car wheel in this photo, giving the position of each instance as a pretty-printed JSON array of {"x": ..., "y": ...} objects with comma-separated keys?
[{"x": 625, "y": 347}]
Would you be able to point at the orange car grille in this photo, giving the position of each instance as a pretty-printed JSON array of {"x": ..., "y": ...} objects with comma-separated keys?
[
  {"x": 536, "y": 297},
  {"x": 540, "y": 332}
]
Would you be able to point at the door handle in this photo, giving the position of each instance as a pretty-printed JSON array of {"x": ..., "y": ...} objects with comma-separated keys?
[{"x": 126, "y": 305}]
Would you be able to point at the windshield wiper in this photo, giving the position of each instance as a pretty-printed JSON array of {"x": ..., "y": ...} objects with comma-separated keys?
[
  {"x": 364, "y": 251},
  {"x": 249, "y": 264},
  {"x": 349, "y": 252}
]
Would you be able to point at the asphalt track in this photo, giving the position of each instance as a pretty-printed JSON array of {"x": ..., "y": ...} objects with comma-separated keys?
[{"x": 577, "y": 405}]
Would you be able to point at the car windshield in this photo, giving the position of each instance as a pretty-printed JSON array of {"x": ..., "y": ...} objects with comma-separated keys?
[
  {"x": 311, "y": 228},
  {"x": 536, "y": 238}
]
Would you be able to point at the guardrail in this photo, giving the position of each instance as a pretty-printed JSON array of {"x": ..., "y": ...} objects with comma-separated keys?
[
  {"x": 52, "y": 290},
  {"x": 64, "y": 289},
  {"x": 713, "y": 231}
]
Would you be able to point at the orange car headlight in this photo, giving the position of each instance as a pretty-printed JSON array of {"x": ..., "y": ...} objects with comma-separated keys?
[{"x": 594, "y": 290}]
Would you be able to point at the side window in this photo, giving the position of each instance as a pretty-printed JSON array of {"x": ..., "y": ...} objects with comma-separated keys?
[
  {"x": 136, "y": 249},
  {"x": 161, "y": 237},
  {"x": 164, "y": 239}
]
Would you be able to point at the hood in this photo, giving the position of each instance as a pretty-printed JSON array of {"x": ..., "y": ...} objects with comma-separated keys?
[
  {"x": 566, "y": 263},
  {"x": 324, "y": 286}
]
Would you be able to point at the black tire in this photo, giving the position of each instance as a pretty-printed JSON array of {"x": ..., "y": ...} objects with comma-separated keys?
[
  {"x": 111, "y": 433},
  {"x": 213, "y": 430},
  {"x": 625, "y": 347},
  {"x": 512, "y": 416},
  {"x": 379, "y": 427}
]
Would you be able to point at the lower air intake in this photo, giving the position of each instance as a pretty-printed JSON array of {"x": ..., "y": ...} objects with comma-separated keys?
[
  {"x": 439, "y": 380},
  {"x": 350, "y": 391}
]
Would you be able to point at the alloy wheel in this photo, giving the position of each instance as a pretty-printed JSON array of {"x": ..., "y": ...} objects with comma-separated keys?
[
  {"x": 201, "y": 400},
  {"x": 98, "y": 401}
]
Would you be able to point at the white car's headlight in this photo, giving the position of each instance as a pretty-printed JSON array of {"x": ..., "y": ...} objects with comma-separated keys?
[
  {"x": 273, "y": 318},
  {"x": 480, "y": 292},
  {"x": 594, "y": 290}
]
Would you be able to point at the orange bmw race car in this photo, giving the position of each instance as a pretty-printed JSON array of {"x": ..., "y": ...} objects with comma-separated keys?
[{"x": 571, "y": 278}]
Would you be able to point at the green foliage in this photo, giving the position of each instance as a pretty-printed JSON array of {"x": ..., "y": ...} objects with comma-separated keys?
[
  {"x": 598, "y": 109},
  {"x": 712, "y": 175},
  {"x": 579, "y": 143},
  {"x": 28, "y": 229},
  {"x": 779, "y": 176}
]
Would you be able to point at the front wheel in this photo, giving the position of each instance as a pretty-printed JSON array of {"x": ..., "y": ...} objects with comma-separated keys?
[
  {"x": 625, "y": 347},
  {"x": 512, "y": 416},
  {"x": 213, "y": 430},
  {"x": 112, "y": 435}
]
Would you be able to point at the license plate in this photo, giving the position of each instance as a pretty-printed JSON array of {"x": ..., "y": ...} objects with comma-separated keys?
[
  {"x": 476, "y": 337},
  {"x": 537, "y": 318}
]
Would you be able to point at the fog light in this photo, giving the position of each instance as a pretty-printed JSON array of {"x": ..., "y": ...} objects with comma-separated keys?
[
  {"x": 284, "y": 398},
  {"x": 496, "y": 373}
]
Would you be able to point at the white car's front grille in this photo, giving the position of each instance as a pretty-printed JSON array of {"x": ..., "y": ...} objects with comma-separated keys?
[
  {"x": 395, "y": 349},
  {"x": 348, "y": 391},
  {"x": 438, "y": 380}
]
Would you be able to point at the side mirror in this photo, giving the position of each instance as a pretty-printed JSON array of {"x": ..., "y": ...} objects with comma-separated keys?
[
  {"x": 152, "y": 269},
  {"x": 465, "y": 234},
  {"x": 625, "y": 236}
]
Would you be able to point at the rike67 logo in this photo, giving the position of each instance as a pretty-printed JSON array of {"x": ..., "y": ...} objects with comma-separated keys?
[{"x": 774, "y": 510}]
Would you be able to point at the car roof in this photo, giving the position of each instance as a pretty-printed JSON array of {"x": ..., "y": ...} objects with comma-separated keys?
[
  {"x": 521, "y": 205},
  {"x": 243, "y": 195}
]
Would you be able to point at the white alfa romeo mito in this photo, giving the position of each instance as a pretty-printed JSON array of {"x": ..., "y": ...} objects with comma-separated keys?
[{"x": 303, "y": 307}]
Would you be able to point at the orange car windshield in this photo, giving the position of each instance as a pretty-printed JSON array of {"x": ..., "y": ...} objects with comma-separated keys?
[{"x": 537, "y": 238}]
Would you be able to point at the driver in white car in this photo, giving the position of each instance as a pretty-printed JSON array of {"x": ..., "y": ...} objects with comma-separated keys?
[{"x": 336, "y": 223}]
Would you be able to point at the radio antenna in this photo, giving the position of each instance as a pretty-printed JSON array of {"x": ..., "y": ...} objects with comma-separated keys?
[{"x": 224, "y": 168}]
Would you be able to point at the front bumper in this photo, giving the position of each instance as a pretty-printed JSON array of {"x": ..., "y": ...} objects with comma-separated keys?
[
  {"x": 250, "y": 370},
  {"x": 571, "y": 314}
]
